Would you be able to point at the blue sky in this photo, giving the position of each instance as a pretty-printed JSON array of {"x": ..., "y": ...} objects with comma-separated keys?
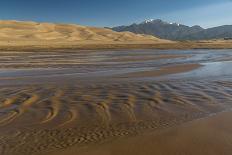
[{"x": 207, "y": 13}]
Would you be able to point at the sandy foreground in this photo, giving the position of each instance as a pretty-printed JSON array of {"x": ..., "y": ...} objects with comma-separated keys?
[
  {"x": 69, "y": 102},
  {"x": 212, "y": 136}
]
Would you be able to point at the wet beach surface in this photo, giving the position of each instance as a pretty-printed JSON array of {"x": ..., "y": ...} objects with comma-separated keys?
[{"x": 56, "y": 100}]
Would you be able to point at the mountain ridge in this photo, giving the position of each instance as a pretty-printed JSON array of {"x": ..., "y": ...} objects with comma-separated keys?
[{"x": 176, "y": 31}]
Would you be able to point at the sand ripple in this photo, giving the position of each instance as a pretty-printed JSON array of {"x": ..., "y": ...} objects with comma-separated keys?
[
  {"x": 77, "y": 98},
  {"x": 46, "y": 118}
]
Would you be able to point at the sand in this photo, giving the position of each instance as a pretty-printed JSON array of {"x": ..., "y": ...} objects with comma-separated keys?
[
  {"x": 209, "y": 136},
  {"x": 72, "y": 58},
  {"x": 141, "y": 58},
  {"x": 162, "y": 71},
  {"x": 45, "y": 119},
  {"x": 32, "y": 32},
  {"x": 112, "y": 45},
  {"x": 66, "y": 101}
]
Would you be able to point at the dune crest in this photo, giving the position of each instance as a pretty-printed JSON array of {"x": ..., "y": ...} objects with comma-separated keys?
[{"x": 32, "y": 31}]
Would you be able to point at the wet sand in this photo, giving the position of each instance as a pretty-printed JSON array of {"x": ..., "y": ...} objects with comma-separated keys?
[
  {"x": 57, "y": 102},
  {"x": 211, "y": 136},
  {"x": 163, "y": 71}
]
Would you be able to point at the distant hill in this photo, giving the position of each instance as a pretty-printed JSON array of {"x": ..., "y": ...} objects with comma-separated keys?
[
  {"x": 32, "y": 31},
  {"x": 175, "y": 31}
]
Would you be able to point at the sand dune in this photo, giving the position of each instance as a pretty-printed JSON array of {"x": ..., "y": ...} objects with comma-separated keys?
[{"x": 31, "y": 31}]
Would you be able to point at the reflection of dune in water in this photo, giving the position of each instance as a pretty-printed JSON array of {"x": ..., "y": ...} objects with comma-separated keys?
[{"x": 90, "y": 113}]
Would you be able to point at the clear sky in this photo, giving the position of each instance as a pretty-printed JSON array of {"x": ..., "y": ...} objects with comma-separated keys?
[{"x": 207, "y": 13}]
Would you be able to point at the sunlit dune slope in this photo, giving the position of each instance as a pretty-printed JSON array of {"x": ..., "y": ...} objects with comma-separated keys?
[{"x": 32, "y": 31}]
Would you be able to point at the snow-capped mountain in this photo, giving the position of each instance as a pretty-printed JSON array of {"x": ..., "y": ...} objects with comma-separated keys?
[
  {"x": 160, "y": 28},
  {"x": 158, "y": 21},
  {"x": 176, "y": 31}
]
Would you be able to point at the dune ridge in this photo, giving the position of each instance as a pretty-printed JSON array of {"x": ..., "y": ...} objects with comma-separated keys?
[{"x": 33, "y": 31}]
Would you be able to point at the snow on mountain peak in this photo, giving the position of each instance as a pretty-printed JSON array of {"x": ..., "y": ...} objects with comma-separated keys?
[
  {"x": 175, "y": 24},
  {"x": 159, "y": 21},
  {"x": 149, "y": 21}
]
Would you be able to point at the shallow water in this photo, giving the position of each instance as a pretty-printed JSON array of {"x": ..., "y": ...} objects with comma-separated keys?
[{"x": 108, "y": 65}]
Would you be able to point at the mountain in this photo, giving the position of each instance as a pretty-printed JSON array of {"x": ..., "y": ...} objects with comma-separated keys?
[
  {"x": 212, "y": 33},
  {"x": 32, "y": 31},
  {"x": 161, "y": 29},
  {"x": 175, "y": 31}
]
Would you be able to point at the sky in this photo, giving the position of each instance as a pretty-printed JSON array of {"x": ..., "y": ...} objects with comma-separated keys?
[{"x": 108, "y": 13}]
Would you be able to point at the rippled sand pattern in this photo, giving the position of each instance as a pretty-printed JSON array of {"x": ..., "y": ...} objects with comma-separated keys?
[
  {"x": 59, "y": 117},
  {"x": 75, "y": 99}
]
